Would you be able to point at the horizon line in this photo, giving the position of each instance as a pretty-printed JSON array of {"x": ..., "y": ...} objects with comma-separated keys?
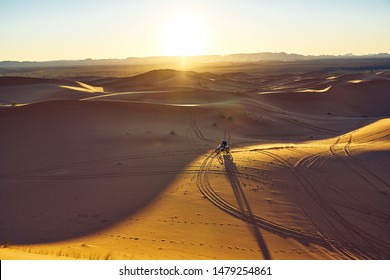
[{"x": 200, "y": 55}]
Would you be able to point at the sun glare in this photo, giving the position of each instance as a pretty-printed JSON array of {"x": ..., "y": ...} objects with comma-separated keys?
[{"x": 184, "y": 35}]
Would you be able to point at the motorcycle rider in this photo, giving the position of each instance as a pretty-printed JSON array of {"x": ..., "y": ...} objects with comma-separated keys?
[{"x": 223, "y": 145}]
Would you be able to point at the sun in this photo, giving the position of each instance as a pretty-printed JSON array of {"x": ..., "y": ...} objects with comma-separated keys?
[{"x": 184, "y": 35}]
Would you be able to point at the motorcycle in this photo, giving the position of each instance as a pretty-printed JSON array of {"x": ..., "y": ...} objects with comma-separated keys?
[{"x": 221, "y": 149}]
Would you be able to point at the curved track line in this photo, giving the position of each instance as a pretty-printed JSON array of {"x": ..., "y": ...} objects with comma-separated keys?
[
  {"x": 291, "y": 118},
  {"x": 315, "y": 198},
  {"x": 100, "y": 161},
  {"x": 330, "y": 212},
  {"x": 361, "y": 166},
  {"x": 332, "y": 149},
  {"x": 207, "y": 190},
  {"x": 227, "y": 133},
  {"x": 198, "y": 132}
]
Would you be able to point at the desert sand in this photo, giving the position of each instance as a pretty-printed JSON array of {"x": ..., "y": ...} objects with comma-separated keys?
[{"x": 124, "y": 168}]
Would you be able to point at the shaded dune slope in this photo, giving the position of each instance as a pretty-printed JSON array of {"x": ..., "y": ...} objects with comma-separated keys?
[{"x": 71, "y": 168}]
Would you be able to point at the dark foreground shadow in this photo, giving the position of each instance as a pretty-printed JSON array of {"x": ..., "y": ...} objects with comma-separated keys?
[
  {"x": 244, "y": 205},
  {"x": 84, "y": 166}
]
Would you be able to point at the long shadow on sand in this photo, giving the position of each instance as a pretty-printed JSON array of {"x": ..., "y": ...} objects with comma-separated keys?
[
  {"x": 86, "y": 166},
  {"x": 244, "y": 205}
]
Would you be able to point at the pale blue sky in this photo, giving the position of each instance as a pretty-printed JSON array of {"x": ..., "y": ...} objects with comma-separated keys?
[{"x": 78, "y": 29}]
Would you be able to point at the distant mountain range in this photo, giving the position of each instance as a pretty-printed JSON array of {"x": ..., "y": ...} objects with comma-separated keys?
[{"x": 249, "y": 57}]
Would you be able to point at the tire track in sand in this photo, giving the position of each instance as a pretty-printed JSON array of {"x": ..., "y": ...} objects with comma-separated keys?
[
  {"x": 347, "y": 247},
  {"x": 358, "y": 164},
  {"x": 206, "y": 189}
]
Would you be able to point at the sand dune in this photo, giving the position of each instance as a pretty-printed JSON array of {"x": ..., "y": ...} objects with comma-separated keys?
[
  {"x": 18, "y": 90},
  {"x": 96, "y": 144},
  {"x": 315, "y": 90},
  {"x": 84, "y": 87},
  {"x": 163, "y": 79},
  {"x": 361, "y": 99},
  {"x": 124, "y": 168}
]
